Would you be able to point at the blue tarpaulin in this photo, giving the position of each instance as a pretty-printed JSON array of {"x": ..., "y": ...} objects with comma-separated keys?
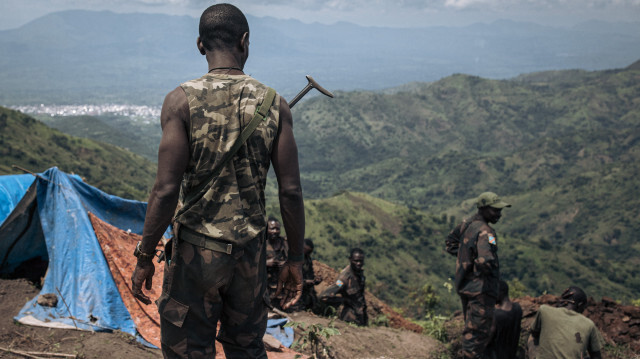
[
  {"x": 12, "y": 189},
  {"x": 61, "y": 232},
  {"x": 45, "y": 219},
  {"x": 276, "y": 328}
]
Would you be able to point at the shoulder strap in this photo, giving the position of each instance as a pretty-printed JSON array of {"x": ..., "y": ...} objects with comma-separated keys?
[
  {"x": 453, "y": 240},
  {"x": 465, "y": 225},
  {"x": 262, "y": 111}
]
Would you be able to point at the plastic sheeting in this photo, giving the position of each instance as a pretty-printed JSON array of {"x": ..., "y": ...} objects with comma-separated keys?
[
  {"x": 12, "y": 189},
  {"x": 82, "y": 267},
  {"x": 284, "y": 334},
  {"x": 117, "y": 246},
  {"x": 78, "y": 273}
]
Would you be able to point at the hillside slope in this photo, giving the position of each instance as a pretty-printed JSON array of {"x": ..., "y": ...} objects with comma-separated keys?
[
  {"x": 562, "y": 146},
  {"x": 139, "y": 137},
  {"x": 405, "y": 254},
  {"x": 30, "y": 144}
]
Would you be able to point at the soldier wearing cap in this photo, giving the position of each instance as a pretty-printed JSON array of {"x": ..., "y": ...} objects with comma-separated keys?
[{"x": 477, "y": 272}]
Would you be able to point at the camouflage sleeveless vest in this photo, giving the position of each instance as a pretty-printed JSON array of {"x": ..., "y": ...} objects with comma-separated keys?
[{"x": 221, "y": 106}]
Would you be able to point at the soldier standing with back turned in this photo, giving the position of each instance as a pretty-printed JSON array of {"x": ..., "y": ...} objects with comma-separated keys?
[{"x": 217, "y": 270}]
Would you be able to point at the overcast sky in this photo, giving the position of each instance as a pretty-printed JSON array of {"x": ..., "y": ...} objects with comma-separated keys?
[{"x": 385, "y": 13}]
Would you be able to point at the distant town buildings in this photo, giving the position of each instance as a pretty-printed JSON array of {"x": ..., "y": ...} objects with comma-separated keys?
[{"x": 143, "y": 113}]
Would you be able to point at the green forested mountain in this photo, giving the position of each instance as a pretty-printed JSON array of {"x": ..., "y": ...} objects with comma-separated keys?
[
  {"x": 405, "y": 251},
  {"x": 30, "y": 144},
  {"x": 563, "y": 146},
  {"x": 80, "y": 56},
  {"x": 393, "y": 172}
]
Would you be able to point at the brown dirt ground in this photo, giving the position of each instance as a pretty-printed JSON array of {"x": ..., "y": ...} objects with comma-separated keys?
[
  {"x": 15, "y": 293},
  {"x": 371, "y": 342},
  {"x": 375, "y": 307},
  {"x": 353, "y": 342},
  {"x": 620, "y": 326}
]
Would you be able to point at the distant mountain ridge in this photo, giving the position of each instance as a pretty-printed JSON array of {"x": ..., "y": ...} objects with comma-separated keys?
[{"x": 96, "y": 57}]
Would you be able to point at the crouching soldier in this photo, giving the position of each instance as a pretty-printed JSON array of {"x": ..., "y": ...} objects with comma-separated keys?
[{"x": 349, "y": 291}]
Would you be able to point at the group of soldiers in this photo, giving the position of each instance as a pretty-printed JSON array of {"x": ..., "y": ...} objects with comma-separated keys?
[
  {"x": 221, "y": 133},
  {"x": 348, "y": 289},
  {"x": 492, "y": 321}
]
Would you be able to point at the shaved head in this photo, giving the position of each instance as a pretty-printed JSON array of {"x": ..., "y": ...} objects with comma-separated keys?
[{"x": 222, "y": 26}]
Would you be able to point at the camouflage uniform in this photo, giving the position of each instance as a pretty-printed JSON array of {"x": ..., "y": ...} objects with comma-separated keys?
[
  {"x": 309, "y": 297},
  {"x": 350, "y": 286},
  {"x": 477, "y": 278},
  {"x": 279, "y": 258},
  {"x": 202, "y": 286}
]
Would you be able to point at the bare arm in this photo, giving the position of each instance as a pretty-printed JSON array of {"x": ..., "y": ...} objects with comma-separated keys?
[
  {"x": 285, "y": 164},
  {"x": 173, "y": 156}
]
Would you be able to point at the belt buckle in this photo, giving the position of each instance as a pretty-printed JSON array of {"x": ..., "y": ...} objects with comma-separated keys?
[{"x": 229, "y": 248}]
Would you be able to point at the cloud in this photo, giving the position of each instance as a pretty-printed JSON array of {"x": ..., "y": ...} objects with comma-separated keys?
[
  {"x": 540, "y": 5},
  {"x": 393, "y": 13},
  {"x": 312, "y": 5},
  {"x": 371, "y": 5}
]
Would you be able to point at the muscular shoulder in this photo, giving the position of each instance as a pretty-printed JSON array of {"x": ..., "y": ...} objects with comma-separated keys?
[{"x": 175, "y": 107}]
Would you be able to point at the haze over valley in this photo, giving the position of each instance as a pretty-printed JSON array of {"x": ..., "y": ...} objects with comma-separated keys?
[{"x": 423, "y": 120}]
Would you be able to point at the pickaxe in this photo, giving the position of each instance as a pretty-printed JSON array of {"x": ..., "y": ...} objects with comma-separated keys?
[{"x": 311, "y": 85}]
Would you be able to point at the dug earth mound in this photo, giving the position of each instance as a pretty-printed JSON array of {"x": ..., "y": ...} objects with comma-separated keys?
[{"x": 619, "y": 325}]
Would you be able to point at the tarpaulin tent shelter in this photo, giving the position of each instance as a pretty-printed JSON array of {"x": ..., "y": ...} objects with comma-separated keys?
[{"x": 80, "y": 240}]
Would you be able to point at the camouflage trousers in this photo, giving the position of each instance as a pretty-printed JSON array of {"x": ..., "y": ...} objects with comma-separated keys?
[
  {"x": 308, "y": 300},
  {"x": 202, "y": 286},
  {"x": 478, "y": 318},
  {"x": 354, "y": 314}
]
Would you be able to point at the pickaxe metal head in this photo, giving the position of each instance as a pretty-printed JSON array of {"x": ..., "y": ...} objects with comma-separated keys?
[{"x": 311, "y": 85}]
